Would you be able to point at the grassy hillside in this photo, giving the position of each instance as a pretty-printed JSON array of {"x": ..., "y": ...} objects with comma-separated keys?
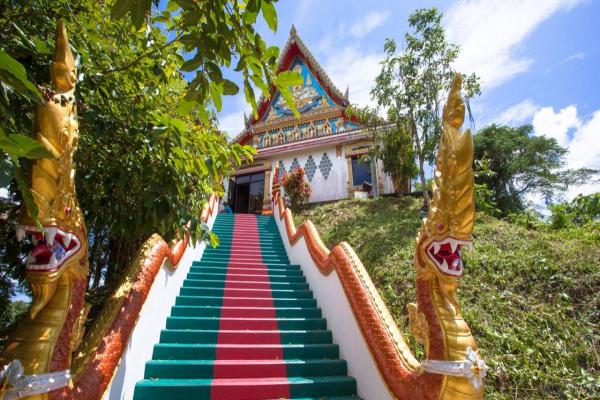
[{"x": 531, "y": 297}]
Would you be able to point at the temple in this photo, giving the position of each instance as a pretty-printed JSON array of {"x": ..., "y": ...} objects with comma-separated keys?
[{"x": 324, "y": 141}]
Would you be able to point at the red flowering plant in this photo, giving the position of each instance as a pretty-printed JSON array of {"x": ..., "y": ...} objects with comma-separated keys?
[{"x": 297, "y": 189}]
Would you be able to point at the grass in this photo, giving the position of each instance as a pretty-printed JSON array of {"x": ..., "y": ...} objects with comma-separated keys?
[{"x": 531, "y": 297}]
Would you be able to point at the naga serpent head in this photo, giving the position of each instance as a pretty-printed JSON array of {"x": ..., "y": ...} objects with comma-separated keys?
[
  {"x": 449, "y": 224},
  {"x": 61, "y": 243}
]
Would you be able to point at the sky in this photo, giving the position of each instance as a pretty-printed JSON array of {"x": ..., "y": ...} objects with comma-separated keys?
[{"x": 539, "y": 60}]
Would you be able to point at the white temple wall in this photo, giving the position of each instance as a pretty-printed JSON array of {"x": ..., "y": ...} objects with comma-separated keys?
[
  {"x": 386, "y": 180},
  {"x": 329, "y": 182},
  {"x": 335, "y": 185}
]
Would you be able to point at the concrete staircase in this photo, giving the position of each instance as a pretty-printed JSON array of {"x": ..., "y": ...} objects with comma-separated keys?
[{"x": 245, "y": 326}]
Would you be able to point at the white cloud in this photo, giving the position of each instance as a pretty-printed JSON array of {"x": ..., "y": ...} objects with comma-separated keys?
[
  {"x": 353, "y": 68},
  {"x": 556, "y": 125},
  {"x": 367, "y": 24},
  {"x": 233, "y": 122},
  {"x": 490, "y": 33},
  {"x": 518, "y": 114},
  {"x": 581, "y": 137},
  {"x": 572, "y": 57}
]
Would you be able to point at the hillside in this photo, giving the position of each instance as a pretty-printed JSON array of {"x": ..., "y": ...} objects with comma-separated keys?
[{"x": 531, "y": 297}]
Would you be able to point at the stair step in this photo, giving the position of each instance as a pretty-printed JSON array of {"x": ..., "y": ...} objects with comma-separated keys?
[
  {"x": 243, "y": 302},
  {"x": 225, "y": 263},
  {"x": 203, "y": 369},
  {"x": 246, "y": 389},
  {"x": 197, "y": 351},
  {"x": 246, "y": 337},
  {"x": 256, "y": 293},
  {"x": 226, "y": 251},
  {"x": 245, "y": 312},
  {"x": 239, "y": 283},
  {"x": 245, "y": 323},
  {"x": 243, "y": 259},
  {"x": 245, "y": 277},
  {"x": 290, "y": 270}
]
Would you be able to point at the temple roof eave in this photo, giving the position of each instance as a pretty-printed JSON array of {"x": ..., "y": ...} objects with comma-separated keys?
[{"x": 329, "y": 140}]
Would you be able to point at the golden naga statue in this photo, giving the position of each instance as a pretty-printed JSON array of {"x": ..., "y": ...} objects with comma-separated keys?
[
  {"x": 438, "y": 261},
  {"x": 57, "y": 266},
  {"x": 41, "y": 352}
]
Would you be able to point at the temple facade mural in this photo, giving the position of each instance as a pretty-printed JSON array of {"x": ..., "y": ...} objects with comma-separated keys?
[{"x": 326, "y": 142}]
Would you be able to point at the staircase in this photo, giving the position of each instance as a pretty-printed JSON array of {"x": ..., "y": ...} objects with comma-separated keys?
[{"x": 245, "y": 326}]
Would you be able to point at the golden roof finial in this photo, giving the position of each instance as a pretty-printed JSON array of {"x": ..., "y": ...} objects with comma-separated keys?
[
  {"x": 454, "y": 110},
  {"x": 63, "y": 70}
]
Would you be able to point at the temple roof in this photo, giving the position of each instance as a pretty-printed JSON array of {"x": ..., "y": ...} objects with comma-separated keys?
[{"x": 293, "y": 49}]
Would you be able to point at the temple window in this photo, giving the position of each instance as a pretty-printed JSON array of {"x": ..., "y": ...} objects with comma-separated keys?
[{"x": 361, "y": 171}]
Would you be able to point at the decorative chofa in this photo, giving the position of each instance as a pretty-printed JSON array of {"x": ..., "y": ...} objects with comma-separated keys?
[
  {"x": 57, "y": 266},
  {"x": 453, "y": 368},
  {"x": 438, "y": 261}
]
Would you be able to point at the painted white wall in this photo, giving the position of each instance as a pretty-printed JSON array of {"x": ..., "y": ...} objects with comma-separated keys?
[
  {"x": 386, "y": 180},
  {"x": 336, "y": 309},
  {"x": 152, "y": 319},
  {"x": 335, "y": 186}
]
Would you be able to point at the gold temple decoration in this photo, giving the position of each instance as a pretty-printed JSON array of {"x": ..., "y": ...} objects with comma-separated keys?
[
  {"x": 438, "y": 255},
  {"x": 57, "y": 266}
]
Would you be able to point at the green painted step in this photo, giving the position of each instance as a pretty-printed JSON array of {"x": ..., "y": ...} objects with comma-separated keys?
[
  {"x": 217, "y": 301},
  {"x": 203, "y": 369},
  {"x": 241, "y": 281},
  {"x": 200, "y": 388},
  {"x": 244, "y": 270},
  {"x": 276, "y": 293},
  {"x": 256, "y": 265},
  {"x": 215, "y": 312},
  {"x": 186, "y": 336},
  {"x": 200, "y": 351},
  {"x": 245, "y": 277},
  {"x": 213, "y": 323}
]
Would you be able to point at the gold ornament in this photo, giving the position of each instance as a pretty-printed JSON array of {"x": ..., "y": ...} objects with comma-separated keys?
[
  {"x": 444, "y": 233},
  {"x": 57, "y": 266}
]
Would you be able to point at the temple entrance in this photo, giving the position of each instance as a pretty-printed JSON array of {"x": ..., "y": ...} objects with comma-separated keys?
[{"x": 246, "y": 193}]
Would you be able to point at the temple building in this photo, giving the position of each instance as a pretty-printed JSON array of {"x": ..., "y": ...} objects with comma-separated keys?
[{"x": 324, "y": 141}]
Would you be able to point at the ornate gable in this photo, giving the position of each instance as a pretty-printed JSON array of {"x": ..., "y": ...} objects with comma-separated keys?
[{"x": 320, "y": 104}]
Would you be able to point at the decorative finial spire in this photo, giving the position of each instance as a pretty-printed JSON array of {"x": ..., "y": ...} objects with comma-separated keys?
[
  {"x": 293, "y": 32},
  {"x": 347, "y": 93},
  {"x": 63, "y": 70}
]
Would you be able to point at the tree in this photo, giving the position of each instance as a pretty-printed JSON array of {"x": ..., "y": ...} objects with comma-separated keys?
[
  {"x": 523, "y": 164},
  {"x": 297, "y": 189},
  {"x": 149, "y": 152},
  {"x": 392, "y": 145},
  {"x": 412, "y": 83}
]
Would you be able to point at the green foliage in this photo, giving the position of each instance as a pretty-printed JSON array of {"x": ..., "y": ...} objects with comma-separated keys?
[
  {"x": 149, "y": 149},
  {"x": 412, "y": 83},
  {"x": 11, "y": 315},
  {"x": 580, "y": 211},
  {"x": 216, "y": 33},
  {"x": 13, "y": 79},
  {"x": 297, "y": 189},
  {"x": 393, "y": 144},
  {"x": 522, "y": 164},
  {"x": 530, "y": 296}
]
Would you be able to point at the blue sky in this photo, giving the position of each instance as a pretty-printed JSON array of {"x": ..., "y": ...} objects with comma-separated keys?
[{"x": 539, "y": 60}]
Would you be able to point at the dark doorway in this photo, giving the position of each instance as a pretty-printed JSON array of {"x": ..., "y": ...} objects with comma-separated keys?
[{"x": 248, "y": 193}]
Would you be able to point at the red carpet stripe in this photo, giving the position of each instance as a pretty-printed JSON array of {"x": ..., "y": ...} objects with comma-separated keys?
[{"x": 259, "y": 315}]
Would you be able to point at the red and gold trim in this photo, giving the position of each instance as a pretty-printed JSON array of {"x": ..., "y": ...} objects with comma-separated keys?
[{"x": 396, "y": 364}]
